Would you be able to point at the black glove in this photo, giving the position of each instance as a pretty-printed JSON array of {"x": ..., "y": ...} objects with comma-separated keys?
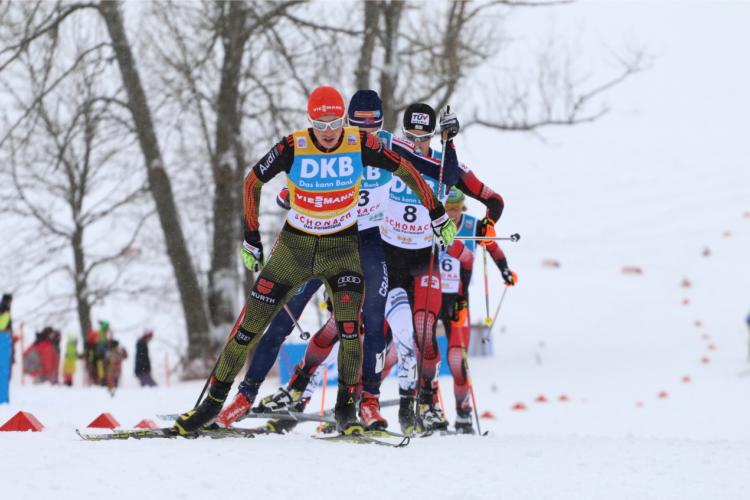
[{"x": 449, "y": 125}]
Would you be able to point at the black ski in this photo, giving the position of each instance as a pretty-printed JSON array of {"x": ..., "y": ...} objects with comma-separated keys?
[{"x": 170, "y": 433}]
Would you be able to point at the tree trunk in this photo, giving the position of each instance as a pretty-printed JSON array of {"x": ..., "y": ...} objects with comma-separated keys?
[
  {"x": 228, "y": 159},
  {"x": 79, "y": 267},
  {"x": 371, "y": 22},
  {"x": 187, "y": 281},
  {"x": 389, "y": 75}
]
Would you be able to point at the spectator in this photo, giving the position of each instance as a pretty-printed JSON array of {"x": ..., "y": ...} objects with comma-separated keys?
[
  {"x": 41, "y": 360},
  {"x": 113, "y": 365},
  {"x": 70, "y": 360},
  {"x": 143, "y": 361},
  {"x": 6, "y": 324},
  {"x": 6, "y": 346}
]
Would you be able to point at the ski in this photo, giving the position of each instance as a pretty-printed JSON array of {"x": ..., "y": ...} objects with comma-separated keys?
[
  {"x": 171, "y": 417},
  {"x": 363, "y": 439},
  {"x": 170, "y": 433}
]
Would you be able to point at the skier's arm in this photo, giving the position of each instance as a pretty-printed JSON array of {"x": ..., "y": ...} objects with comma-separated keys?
[
  {"x": 501, "y": 262},
  {"x": 278, "y": 159},
  {"x": 376, "y": 155},
  {"x": 476, "y": 189},
  {"x": 430, "y": 166}
]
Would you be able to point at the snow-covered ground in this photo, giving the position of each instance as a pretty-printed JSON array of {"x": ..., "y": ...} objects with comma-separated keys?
[{"x": 663, "y": 177}]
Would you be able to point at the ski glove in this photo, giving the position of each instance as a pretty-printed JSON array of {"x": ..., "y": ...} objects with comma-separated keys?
[
  {"x": 486, "y": 227},
  {"x": 460, "y": 312},
  {"x": 445, "y": 230},
  {"x": 509, "y": 276},
  {"x": 449, "y": 125},
  {"x": 252, "y": 251}
]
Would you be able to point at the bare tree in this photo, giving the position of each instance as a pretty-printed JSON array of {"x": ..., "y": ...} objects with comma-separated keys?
[{"x": 69, "y": 182}]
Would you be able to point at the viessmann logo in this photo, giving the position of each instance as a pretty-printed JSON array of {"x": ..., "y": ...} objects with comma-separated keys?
[{"x": 328, "y": 201}]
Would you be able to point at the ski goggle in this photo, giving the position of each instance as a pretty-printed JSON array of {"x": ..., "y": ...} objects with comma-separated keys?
[
  {"x": 417, "y": 138},
  {"x": 333, "y": 125}
]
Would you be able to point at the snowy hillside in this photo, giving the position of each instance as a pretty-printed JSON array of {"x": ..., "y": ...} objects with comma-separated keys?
[{"x": 655, "y": 374}]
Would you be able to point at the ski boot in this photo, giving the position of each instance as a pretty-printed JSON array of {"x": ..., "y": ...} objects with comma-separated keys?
[
  {"x": 409, "y": 424},
  {"x": 238, "y": 408},
  {"x": 205, "y": 413},
  {"x": 285, "y": 396},
  {"x": 429, "y": 413},
  {"x": 283, "y": 426},
  {"x": 345, "y": 411},
  {"x": 464, "y": 423},
  {"x": 369, "y": 412}
]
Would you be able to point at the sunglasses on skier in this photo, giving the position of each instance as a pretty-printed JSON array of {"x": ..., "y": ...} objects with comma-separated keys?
[
  {"x": 333, "y": 125},
  {"x": 417, "y": 138}
]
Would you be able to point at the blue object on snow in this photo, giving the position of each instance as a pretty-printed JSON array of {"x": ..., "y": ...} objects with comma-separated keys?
[
  {"x": 6, "y": 344},
  {"x": 291, "y": 354}
]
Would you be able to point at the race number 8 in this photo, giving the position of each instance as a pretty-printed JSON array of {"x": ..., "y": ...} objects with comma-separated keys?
[{"x": 410, "y": 213}]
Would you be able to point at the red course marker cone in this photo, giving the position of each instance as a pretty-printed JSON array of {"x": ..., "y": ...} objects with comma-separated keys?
[
  {"x": 632, "y": 270},
  {"x": 705, "y": 336},
  {"x": 685, "y": 301},
  {"x": 104, "y": 421},
  {"x": 146, "y": 424},
  {"x": 663, "y": 395},
  {"x": 686, "y": 379},
  {"x": 697, "y": 323},
  {"x": 639, "y": 404},
  {"x": 727, "y": 234},
  {"x": 541, "y": 399},
  {"x": 519, "y": 407},
  {"x": 705, "y": 360},
  {"x": 550, "y": 263},
  {"x": 711, "y": 347},
  {"x": 686, "y": 283},
  {"x": 488, "y": 415},
  {"x": 564, "y": 398},
  {"x": 22, "y": 421}
]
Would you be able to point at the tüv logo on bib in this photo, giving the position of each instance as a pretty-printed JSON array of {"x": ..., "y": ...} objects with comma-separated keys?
[{"x": 340, "y": 166}]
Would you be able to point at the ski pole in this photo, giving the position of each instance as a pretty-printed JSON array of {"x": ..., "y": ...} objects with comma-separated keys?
[
  {"x": 420, "y": 363},
  {"x": 216, "y": 365},
  {"x": 487, "y": 319},
  {"x": 302, "y": 333},
  {"x": 513, "y": 237},
  {"x": 469, "y": 381},
  {"x": 494, "y": 318}
]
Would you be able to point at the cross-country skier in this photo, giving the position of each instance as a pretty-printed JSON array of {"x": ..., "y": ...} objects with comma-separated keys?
[
  {"x": 324, "y": 166},
  {"x": 455, "y": 274},
  {"x": 365, "y": 111},
  {"x": 414, "y": 297}
]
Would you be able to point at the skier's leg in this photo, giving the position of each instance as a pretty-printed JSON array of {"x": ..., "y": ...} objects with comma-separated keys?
[
  {"x": 290, "y": 265},
  {"x": 427, "y": 301},
  {"x": 376, "y": 291},
  {"x": 338, "y": 263},
  {"x": 270, "y": 343},
  {"x": 399, "y": 317}
]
